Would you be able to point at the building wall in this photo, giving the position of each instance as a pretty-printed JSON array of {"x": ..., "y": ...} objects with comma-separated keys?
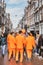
[
  {"x": 35, "y": 15},
  {"x": 4, "y": 19},
  {"x": 2, "y": 11}
]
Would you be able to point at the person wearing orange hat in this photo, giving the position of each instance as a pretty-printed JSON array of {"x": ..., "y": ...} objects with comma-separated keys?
[
  {"x": 23, "y": 30},
  {"x": 19, "y": 44},
  {"x": 11, "y": 44},
  {"x": 30, "y": 43},
  {"x": 24, "y": 46}
]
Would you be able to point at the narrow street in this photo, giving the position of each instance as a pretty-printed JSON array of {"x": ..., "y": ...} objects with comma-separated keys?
[
  {"x": 21, "y": 29},
  {"x": 4, "y": 61}
]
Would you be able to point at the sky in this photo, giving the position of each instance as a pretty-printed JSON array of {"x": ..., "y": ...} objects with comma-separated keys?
[{"x": 16, "y": 10}]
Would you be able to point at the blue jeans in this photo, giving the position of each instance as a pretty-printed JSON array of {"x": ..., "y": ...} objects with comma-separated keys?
[{"x": 3, "y": 49}]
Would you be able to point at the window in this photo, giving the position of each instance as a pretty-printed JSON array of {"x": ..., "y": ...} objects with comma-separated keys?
[
  {"x": 32, "y": 20},
  {"x": 40, "y": 3},
  {"x": 32, "y": 10},
  {"x": 0, "y": 1},
  {"x": 42, "y": 28},
  {"x": 0, "y": 20},
  {"x": 37, "y": 17},
  {"x": 40, "y": 14},
  {"x": 0, "y": 9},
  {"x": 36, "y": 4}
]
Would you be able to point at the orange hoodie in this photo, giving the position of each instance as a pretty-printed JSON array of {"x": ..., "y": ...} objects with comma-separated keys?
[
  {"x": 30, "y": 42},
  {"x": 11, "y": 41},
  {"x": 20, "y": 41}
]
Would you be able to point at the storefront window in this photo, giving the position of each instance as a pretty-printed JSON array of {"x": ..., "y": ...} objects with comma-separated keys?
[{"x": 42, "y": 28}]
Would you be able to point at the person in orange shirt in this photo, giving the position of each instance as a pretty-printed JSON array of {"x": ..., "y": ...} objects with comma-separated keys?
[
  {"x": 30, "y": 43},
  {"x": 11, "y": 44},
  {"x": 24, "y": 46},
  {"x": 19, "y": 44}
]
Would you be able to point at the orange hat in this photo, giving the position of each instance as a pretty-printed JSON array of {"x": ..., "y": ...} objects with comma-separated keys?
[{"x": 23, "y": 31}]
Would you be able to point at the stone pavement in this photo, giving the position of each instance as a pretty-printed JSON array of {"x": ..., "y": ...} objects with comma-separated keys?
[{"x": 35, "y": 61}]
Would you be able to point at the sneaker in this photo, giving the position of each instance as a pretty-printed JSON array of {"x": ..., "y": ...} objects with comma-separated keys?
[
  {"x": 9, "y": 60},
  {"x": 24, "y": 54},
  {"x": 14, "y": 58},
  {"x": 40, "y": 57},
  {"x": 3, "y": 55},
  {"x": 36, "y": 54},
  {"x": 29, "y": 60},
  {"x": 26, "y": 59},
  {"x": 16, "y": 61}
]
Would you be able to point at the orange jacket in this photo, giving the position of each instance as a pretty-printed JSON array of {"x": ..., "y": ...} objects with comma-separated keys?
[
  {"x": 11, "y": 41},
  {"x": 30, "y": 42},
  {"x": 20, "y": 41}
]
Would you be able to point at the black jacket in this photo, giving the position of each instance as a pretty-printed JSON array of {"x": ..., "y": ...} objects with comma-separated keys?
[{"x": 40, "y": 41}]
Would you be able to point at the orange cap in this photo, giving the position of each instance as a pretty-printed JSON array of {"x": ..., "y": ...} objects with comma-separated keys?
[{"x": 23, "y": 31}]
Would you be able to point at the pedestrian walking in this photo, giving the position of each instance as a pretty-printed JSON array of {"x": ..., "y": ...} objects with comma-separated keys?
[
  {"x": 24, "y": 33},
  {"x": 30, "y": 44},
  {"x": 19, "y": 43},
  {"x": 37, "y": 46},
  {"x": 11, "y": 45},
  {"x": 3, "y": 44},
  {"x": 40, "y": 44}
]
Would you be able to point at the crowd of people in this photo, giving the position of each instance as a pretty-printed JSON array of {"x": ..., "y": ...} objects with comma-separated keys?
[{"x": 22, "y": 44}]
